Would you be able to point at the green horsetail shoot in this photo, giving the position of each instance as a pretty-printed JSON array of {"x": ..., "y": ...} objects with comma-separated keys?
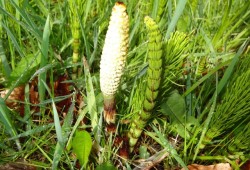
[
  {"x": 153, "y": 81},
  {"x": 76, "y": 12}
]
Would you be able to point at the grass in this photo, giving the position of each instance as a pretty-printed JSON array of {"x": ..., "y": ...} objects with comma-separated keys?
[{"x": 43, "y": 106}]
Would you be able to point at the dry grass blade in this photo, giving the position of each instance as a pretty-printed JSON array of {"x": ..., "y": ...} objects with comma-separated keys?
[{"x": 146, "y": 164}]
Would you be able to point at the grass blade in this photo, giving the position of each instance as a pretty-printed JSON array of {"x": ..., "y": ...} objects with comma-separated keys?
[
  {"x": 91, "y": 105},
  {"x": 33, "y": 131},
  {"x": 79, "y": 119},
  {"x": 165, "y": 143},
  {"x": 205, "y": 127},
  {"x": 14, "y": 41},
  {"x": 56, "y": 116},
  {"x": 196, "y": 84},
  {"x": 86, "y": 10},
  {"x": 179, "y": 10},
  {"x": 6, "y": 67},
  {"x": 44, "y": 61},
  {"x": 6, "y": 120},
  {"x": 36, "y": 33},
  {"x": 230, "y": 68},
  {"x": 65, "y": 133},
  {"x": 26, "y": 18},
  {"x": 155, "y": 9},
  {"x": 57, "y": 123}
]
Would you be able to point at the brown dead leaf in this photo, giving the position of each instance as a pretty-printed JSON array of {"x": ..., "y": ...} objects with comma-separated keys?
[
  {"x": 246, "y": 165},
  {"x": 146, "y": 164},
  {"x": 220, "y": 166},
  {"x": 19, "y": 165},
  {"x": 62, "y": 89},
  {"x": 14, "y": 99}
]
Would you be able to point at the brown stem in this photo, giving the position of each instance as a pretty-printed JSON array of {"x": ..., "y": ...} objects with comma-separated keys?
[{"x": 109, "y": 109}]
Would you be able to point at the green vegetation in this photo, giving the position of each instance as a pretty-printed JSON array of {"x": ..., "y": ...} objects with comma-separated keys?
[
  {"x": 148, "y": 90},
  {"x": 183, "y": 96}
]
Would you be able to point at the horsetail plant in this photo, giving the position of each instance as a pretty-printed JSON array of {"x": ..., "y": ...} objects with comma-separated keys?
[
  {"x": 75, "y": 16},
  {"x": 146, "y": 7},
  {"x": 241, "y": 140},
  {"x": 233, "y": 109},
  {"x": 160, "y": 10},
  {"x": 175, "y": 51},
  {"x": 113, "y": 59},
  {"x": 154, "y": 71}
]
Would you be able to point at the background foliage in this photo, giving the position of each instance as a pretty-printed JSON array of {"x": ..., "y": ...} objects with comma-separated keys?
[{"x": 202, "y": 112}]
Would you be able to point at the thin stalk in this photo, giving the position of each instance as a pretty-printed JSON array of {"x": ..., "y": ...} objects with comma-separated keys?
[{"x": 75, "y": 21}]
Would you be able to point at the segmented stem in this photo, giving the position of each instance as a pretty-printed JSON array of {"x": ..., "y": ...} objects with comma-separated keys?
[
  {"x": 154, "y": 71},
  {"x": 113, "y": 58},
  {"x": 146, "y": 7},
  {"x": 201, "y": 66},
  {"x": 75, "y": 15}
]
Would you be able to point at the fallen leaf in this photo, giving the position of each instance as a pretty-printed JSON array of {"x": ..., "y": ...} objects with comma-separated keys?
[
  {"x": 220, "y": 166},
  {"x": 246, "y": 165},
  {"x": 19, "y": 165}
]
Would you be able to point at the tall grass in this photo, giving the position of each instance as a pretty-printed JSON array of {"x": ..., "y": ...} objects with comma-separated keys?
[{"x": 198, "y": 82}]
